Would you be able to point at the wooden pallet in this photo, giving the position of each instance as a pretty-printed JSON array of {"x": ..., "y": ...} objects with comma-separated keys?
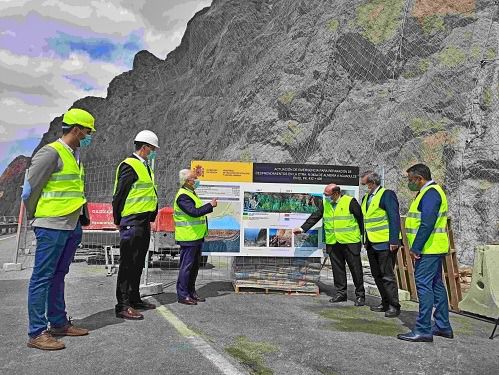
[
  {"x": 273, "y": 289},
  {"x": 405, "y": 269},
  {"x": 451, "y": 273}
]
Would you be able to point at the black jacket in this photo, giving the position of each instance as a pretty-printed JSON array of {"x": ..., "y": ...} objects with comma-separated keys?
[
  {"x": 355, "y": 210},
  {"x": 126, "y": 178}
]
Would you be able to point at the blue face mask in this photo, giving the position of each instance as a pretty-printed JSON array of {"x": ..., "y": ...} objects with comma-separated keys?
[
  {"x": 196, "y": 184},
  {"x": 329, "y": 199},
  {"x": 85, "y": 142},
  {"x": 152, "y": 155}
]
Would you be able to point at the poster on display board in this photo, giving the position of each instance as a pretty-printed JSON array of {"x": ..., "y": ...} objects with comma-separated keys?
[{"x": 260, "y": 203}]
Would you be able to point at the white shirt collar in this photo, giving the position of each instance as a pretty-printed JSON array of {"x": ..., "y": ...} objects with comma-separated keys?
[
  {"x": 140, "y": 158},
  {"x": 375, "y": 191},
  {"x": 428, "y": 183},
  {"x": 66, "y": 145},
  {"x": 75, "y": 153}
]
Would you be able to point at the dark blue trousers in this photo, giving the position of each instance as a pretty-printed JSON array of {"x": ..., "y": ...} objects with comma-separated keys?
[
  {"x": 55, "y": 250},
  {"x": 431, "y": 293},
  {"x": 190, "y": 261}
]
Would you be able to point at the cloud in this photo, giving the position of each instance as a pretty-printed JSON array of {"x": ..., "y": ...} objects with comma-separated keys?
[
  {"x": 53, "y": 52},
  {"x": 81, "y": 81},
  {"x": 98, "y": 49}
]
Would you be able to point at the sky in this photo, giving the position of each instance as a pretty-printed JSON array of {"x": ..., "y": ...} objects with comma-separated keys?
[{"x": 53, "y": 52}]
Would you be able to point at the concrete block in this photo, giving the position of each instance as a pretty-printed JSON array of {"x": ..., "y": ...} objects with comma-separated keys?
[
  {"x": 373, "y": 291},
  {"x": 404, "y": 295},
  {"x": 11, "y": 267},
  {"x": 150, "y": 289}
]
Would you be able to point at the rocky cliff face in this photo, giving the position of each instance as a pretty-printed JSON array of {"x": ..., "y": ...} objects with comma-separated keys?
[
  {"x": 11, "y": 182},
  {"x": 379, "y": 83}
]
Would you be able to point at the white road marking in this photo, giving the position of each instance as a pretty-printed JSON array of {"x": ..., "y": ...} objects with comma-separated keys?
[
  {"x": 6, "y": 238},
  {"x": 197, "y": 341}
]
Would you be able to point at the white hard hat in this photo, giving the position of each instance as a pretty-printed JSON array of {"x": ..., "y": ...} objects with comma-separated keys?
[{"x": 147, "y": 136}]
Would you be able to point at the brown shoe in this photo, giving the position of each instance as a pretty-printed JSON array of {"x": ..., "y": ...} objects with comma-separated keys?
[
  {"x": 130, "y": 313},
  {"x": 68, "y": 330},
  {"x": 45, "y": 341},
  {"x": 187, "y": 301},
  {"x": 142, "y": 305}
]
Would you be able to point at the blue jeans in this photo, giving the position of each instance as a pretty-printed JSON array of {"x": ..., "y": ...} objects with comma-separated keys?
[
  {"x": 431, "y": 293},
  {"x": 55, "y": 250},
  {"x": 190, "y": 261}
]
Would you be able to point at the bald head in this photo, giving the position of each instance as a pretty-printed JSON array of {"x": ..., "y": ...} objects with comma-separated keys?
[
  {"x": 329, "y": 189},
  {"x": 333, "y": 191}
]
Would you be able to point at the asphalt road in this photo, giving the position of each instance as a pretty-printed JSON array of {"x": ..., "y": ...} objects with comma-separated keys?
[{"x": 249, "y": 333}]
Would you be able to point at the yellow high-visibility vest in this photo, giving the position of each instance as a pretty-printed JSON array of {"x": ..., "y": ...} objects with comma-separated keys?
[
  {"x": 64, "y": 192},
  {"x": 375, "y": 218},
  {"x": 339, "y": 224},
  {"x": 188, "y": 228},
  {"x": 142, "y": 196},
  {"x": 438, "y": 243}
]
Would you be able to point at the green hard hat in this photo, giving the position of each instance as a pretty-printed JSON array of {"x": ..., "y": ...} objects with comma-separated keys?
[{"x": 77, "y": 116}]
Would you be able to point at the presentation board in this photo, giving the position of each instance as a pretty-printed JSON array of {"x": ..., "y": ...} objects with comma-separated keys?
[{"x": 260, "y": 203}]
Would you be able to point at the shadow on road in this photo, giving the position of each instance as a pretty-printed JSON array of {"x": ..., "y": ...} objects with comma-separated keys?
[
  {"x": 98, "y": 320},
  {"x": 210, "y": 290}
]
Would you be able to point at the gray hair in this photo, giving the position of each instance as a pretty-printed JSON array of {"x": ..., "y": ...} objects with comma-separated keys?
[
  {"x": 183, "y": 175},
  {"x": 372, "y": 177}
]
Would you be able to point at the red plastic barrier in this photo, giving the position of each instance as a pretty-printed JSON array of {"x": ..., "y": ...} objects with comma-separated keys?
[
  {"x": 101, "y": 216},
  {"x": 164, "y": 221}
]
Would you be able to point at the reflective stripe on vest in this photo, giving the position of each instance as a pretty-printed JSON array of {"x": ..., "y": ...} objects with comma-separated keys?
[
  {"x": 375, "y": 218},
  {"x": 188, "y": 228},
  {"x": 63, "y": 193},
  {"x": 339, "y": 224},
  {"x": 438, "y": 243},
  {"x": 142, "y": 196}
]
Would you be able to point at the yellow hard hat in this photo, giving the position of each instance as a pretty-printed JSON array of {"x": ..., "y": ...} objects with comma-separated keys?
[{"x": 77, "y": 116}]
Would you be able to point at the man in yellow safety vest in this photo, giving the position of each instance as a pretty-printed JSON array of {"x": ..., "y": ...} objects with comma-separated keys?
[
  {"x": 343, "y": 225},
  {"x": 191, "y": 226},
  {"x": 135, "y": 206},
  {"x": 380, "y": 208},
  {"x": 54, "y": 195},
  {"x": 426, "y": 227}
]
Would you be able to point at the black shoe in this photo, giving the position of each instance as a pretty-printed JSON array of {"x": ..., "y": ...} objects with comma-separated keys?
[
  {"x": 360, "y": 301},
  {"x": 447, "y": 334},
  {"x": 338, "y": 298},
  {"x": 392, "y": 312},
  {"x": 379, "y": 308},
  {"x": 414, "y": 337}
]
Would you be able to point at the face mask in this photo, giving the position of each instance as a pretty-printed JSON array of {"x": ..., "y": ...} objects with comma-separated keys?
[
  {"x": 152, "y": 155},
  {"x": 328, "y": 198},
  {"x": 196, "y": 184},
  {"x": 412, "y": 186},
  {"x": 85, "y": 142}
]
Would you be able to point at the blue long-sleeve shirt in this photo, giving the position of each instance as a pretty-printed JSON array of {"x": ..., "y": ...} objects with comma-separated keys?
[
  {"x": 429, "y": 207},
  {"x": 390, "y": 204},
  {"x": 188, "y": 205}
]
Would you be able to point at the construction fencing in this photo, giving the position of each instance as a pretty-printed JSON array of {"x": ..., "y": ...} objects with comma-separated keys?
[{"x": 101, "y": 246}]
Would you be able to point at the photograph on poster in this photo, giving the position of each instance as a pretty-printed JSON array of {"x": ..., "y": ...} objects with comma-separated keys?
[
  {"x": 306, "y": 240},
  {"x": 280, "y": 202},
  {"x": 222, "y": 241},
  {"x": 255, "y": 237},
  {"x": 280, "y": 237}
]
